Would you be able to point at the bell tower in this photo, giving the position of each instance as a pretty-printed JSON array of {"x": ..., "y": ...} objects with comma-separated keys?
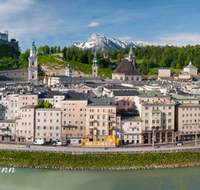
[
  {"x": 131, "y": 56},
  {"x": 95, "y": 66},
  {"x": 33, "y": 64}
]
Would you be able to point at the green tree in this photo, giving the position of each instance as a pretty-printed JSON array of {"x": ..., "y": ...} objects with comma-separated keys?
[
  {"x": 40, "y": 50},
  {"x": 46, "y": 50},
  {"x": 144, "y": 70},
  {"x": 173, "y": 65},
  {"x": 58, "y": 50},
  {"x": 13, "y": 40},
  {"x": 113, "y": 54},
  {"x": 178, "y": 66}
]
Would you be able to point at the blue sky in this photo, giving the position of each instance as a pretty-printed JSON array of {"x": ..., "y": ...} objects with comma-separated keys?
[{"x": 63, "y": 22}]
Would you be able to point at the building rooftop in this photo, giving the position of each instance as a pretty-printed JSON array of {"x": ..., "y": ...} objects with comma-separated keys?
[
  {"x": 103, "y": 101},
  {"x": 119, "y": 87},
  {"x": 48, "y": 109},
  {"x": 150, "y": 94},
  {"x": 28, "y": 106},
  {"x": 50, "y": 94},
  {"x": 190, "y": 66},
  {"x": 126, "y": 67},
  {"x": 181, "y": 97},
  {"x": 73, "y": 95},
  {"x": 125, "y": 93}
]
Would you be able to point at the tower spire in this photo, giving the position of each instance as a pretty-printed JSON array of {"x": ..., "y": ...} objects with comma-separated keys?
[{"x": 131, "y": 49}]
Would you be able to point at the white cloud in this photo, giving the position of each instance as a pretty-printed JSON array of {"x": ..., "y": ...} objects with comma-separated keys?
[
  {"x": 182, "y": 39},
  {"x": 93, "y": 24}
]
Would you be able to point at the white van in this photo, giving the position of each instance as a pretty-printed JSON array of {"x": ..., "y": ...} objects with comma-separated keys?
[{"x": 39, "y": 142}]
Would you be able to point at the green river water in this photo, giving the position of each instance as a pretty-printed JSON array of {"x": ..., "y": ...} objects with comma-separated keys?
[{"x": 166, "y": 179}]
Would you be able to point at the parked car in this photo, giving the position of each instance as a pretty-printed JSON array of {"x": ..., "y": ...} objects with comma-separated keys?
[
  {"x": 178, "y": 144},
  {"x": 57, "y": 144},
  {"x": 39, "y": 142}
]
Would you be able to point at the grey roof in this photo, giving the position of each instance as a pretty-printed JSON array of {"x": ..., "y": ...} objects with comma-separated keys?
[
  {"x": 104, "y": 101},
  {"x": 131, "y": 118},
  {"x": 48, "y": 109},
  {"x": 190, "y": 66},
  {"x": 118, "y": 87},
  {"x": 13, "y": 78},
  {"x": 6, "y": 70},
  {"x": 125, "y": 93},
  {"x": 50, "y": 94},
  {"x": 73, "y": 95},
  {"x": 7, "y": 121}
]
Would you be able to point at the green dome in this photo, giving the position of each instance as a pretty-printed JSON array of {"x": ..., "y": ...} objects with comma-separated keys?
[{"x": 33, "y": 48}]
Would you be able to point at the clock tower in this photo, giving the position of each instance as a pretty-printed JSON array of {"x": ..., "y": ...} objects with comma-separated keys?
[{"x": 33, "y": 64}]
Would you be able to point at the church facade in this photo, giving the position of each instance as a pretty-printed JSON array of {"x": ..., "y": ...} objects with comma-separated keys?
[{"x": 126, "y": 70}]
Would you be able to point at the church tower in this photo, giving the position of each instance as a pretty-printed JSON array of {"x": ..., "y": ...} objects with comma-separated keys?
[
  {"x": 68, "y": 71},
  {"x": 33, "y": 64},
  {"x": 131, "y": 56},
  {"x": 95, "y": 66}
]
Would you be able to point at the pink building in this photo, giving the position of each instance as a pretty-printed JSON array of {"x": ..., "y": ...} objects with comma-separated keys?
[{"x": 25, "y": 124}]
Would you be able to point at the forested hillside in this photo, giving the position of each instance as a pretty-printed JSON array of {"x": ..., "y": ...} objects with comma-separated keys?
[{"x": 148, "y": 59}]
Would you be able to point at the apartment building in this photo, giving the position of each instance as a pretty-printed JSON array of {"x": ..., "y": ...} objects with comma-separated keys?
[
  {"x": 53, "y": 97},
  {"x": 157, "y": 112},
  {"x": 12, "y": 106},
  {"x": 74, "y": 113},
  {"x": 187, "y": 114},
  {"x": 27, "y": 99},
  {"x": 47, "y": 124},
  {"x": 25, "y": 124},
  {"x": 125, "y": 100},
  {"x": 131, "y": 129},
  {"x": 7, "y": 130},
  {"x": 101, "y": 118}
]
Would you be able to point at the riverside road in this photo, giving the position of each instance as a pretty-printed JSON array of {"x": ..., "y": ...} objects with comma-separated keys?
[{"x": 188, "y": 146}]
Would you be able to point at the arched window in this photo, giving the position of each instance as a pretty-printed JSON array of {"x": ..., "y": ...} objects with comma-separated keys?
[
  {"x": 137, "y": 78},
  {"x": 121, "y": 78},
  {"x": 157, "y": 121},
  {"x": 126, "y": 78},
  {"x": 132, "y": 78},
  {"x": 153, "y": 121}
]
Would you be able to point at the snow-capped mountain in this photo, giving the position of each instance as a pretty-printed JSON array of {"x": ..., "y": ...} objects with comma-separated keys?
[{"x": 102, "y": 43}]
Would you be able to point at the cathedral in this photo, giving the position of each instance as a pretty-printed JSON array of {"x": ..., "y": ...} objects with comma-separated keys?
[
  {"x": 22, "y": 75},
  {"x": 126, "y": 70}
]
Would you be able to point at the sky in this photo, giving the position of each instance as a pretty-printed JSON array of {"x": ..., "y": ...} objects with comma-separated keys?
[{"x": 63, "y": 22}]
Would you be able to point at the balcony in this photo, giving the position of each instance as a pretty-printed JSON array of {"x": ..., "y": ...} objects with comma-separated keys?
[
  {"x": 91, "y": 119},
  {"x": 91, "y": 127}
]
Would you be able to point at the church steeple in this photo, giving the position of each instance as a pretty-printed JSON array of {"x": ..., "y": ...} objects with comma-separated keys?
[
  {"x": 95, "y": 66},
  {"x": 131, "y": 56},
  {"x": 131, "y": 49},
  {"x": 95, "y": 61}
]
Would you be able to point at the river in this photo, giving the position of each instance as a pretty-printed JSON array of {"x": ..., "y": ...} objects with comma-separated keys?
[{"x": 165, "y": 179}]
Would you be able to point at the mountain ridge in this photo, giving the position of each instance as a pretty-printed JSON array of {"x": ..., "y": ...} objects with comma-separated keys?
[{"x": 101, "y": 43}]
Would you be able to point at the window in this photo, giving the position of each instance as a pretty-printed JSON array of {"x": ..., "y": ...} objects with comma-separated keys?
[
  {"x": 146, "y": 121},
  {"x": 81, "y": 109},
  {"x": 29, "y": 131},
  {"x": 76, "y": 122},
  {"x": 51, "y": 128},
  {"x": 104, "y": 110},
  {"x": 98, "y": 116},
  {"x": 169, "y": 120},
  {"x": 44, "y": 127},
  {"x": 91, "y": 110},
  {"x": 57, "y": 120},
  {"x": 146, "y": 108},
  {"x": 44, "y": 134},
  {"x": 50, "y": 134},
  {"x": 38, "y": 127},
  {"x": 98, "y": 110},
  {"x": 44, "y": 120},
  {"x": 81, "y": 128},
  {"x": 57, "y": 114},
  {"x": 38, "y": 114},
  {"x": 146, "y": 114},
  {"x": 50, "y": 120},
  {"x": 44, "y": 114},
  {"x": 57, "y": 134},
  {"x": 57, "y": 128},
  {"x": 50, "y": 114},
  {"x": 81, "y": 122},
  {"x": 103, "y": 132},
  {"x": 104, "y": 117},
  {"x": 163, "y": 120},
  {"x": 170, "y": 107},
  {"x": 81, "y": 115},
  {"x": 103, "y": 124},
  {"x": 170, "y": 113},
  {"x": 153, "y": 121}
]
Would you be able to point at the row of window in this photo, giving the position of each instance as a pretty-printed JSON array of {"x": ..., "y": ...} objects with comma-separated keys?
[
  {"x": 24, "y": 131},
  {"x": 25, "y": 98},
  {"x": 132, "y": 136},
  {"x": 158, "y": 114},
  {"x": 76, "y": 128},
  {"x": 73, "y": 115},
  {"x": 44, "y": 134},
  {"x": 190, "y": 127},
  {"x": 81, "y": 109},
  {"x": 187, "y": 115},
  {"x": 97, "y": 132},
  {"x": 78, "y": 135},
  {"x": 132, "y": 129},
  {"x": 157, "y": 121},
  {"x": 76, "y": 122},
  {"x": 45, "y": 114},
  {"x": 45, "y": 127},
  {"x": 186, "y": 121},
  {"x": 103, "y": 110},
  {"x": 157, "y": 108},
  {"x": 73, "y": 104},
  {"x": 57, "y": 121},
  {"x": 24, "y": 110},
  {"x": 159, "y": 128}
]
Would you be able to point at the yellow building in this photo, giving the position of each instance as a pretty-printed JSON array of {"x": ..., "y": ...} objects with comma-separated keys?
[{"x": 101, "y": 118}]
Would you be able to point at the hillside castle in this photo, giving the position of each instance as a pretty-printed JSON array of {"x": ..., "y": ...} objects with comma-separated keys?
[{"x": 4, "y": 41}]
